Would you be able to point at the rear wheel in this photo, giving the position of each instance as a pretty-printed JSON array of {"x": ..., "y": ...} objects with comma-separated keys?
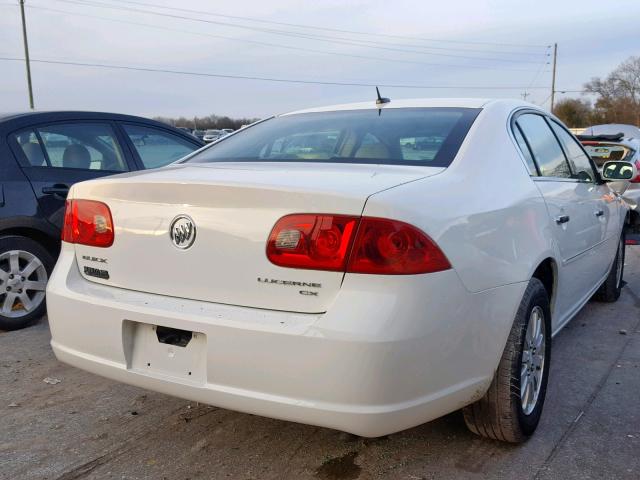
[
  {"x": 25, "y": 266},
  {"x": 610, "y": 290},
  {"x": 511, "y": 408}
]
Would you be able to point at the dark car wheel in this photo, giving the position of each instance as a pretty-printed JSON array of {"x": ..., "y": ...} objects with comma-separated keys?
[
  {"x": 610, "y": 290},
  {"x": 511, "y": 408},
  {"x": 25, "y": 266}
]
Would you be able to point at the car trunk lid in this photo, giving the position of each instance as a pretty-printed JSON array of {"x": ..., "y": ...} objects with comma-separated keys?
[{"x": 233, "y": 207}]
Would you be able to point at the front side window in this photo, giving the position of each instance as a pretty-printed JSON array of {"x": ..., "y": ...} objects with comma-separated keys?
[
  {"x": 85, "y": 146},
  {"x": 544, "y": 146},
  {"x": 157, "y": 148},
  {"x": 405, "y": 136},
  {"x": 580, "y": 164}
]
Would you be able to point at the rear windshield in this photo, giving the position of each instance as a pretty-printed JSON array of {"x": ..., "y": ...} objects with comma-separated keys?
[
  {"x": 603, "y": 152},
  {"x": 407, "y": 136}
]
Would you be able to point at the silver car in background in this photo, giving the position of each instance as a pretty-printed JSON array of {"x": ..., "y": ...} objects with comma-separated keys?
[{"x": 616, "y": 141}]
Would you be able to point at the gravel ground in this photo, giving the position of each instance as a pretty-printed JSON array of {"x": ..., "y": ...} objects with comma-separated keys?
[{"x": 91, "y": 428}]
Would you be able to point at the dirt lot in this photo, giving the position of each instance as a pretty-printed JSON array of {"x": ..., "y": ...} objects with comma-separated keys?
[{"x": 88, "y": 427}]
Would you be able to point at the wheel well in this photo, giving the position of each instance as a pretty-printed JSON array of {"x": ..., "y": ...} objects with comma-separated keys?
[
  {"x": 547, "y": 273},
  {"x": 48, "y": 242}
]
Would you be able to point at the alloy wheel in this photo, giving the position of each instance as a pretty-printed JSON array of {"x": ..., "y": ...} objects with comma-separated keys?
[
  {"x": 23, "y": 280},
  {"x": 533, "y": 360}
]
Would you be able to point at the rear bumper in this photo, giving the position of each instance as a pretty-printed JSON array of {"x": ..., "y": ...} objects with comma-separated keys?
[{"x": 390, "y": 354}]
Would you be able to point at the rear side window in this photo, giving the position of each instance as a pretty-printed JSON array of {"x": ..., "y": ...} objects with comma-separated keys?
[
  {"x": 30, "y": 145},
  {"x": 544, "y": 146},
  {"x": 580, "y": 164},
  {"x": 157, "y": 148},
  {"x": 84, "y": 146},
  {"x": 405, "y": 136},
  {"x": 524, "y": 148}
]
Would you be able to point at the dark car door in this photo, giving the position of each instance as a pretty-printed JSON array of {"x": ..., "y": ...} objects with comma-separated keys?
[{"x": 57, "y": 155}]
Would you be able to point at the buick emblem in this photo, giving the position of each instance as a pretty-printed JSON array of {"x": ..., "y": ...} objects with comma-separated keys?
[{"x": 182, "y": 232}]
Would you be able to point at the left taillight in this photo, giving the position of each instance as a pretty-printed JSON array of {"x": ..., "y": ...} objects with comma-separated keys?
[{"x": 88, "y": 222}]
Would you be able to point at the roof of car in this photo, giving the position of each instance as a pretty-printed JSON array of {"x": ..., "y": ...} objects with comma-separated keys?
[
  {"x": 411, "y": 103},
  {"x": 629, "y": 131},
  {"x": 12, "y": 121}
]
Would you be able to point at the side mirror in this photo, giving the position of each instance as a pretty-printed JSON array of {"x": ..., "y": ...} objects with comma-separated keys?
[{"x": 619, "y": 174}]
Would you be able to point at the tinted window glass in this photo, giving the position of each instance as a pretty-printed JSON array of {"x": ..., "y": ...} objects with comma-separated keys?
[
  {"x": 31, "y": 148},
  {"x": 544, "y": 146},
  {"x": 524, "y": 148},
  {"x": 87, "y": 146},
  {"x": 156, "y": 147},
  {"x": 409, "y": 136},
  {"x": 578, "y": 160}
]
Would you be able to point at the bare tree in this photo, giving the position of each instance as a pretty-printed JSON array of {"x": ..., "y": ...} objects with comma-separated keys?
[
  {"x": 618, "y": 94},
  {"x": 574, "y": 112}
]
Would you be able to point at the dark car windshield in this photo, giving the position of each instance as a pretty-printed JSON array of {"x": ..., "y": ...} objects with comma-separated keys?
[{"x": 404, "y": 136}]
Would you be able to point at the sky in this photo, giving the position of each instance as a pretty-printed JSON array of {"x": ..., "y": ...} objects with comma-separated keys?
[{"x": 465, "y": 48}]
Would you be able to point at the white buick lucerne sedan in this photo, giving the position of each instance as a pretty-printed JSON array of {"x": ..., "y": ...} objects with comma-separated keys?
[{"x": 366, "y": 267}]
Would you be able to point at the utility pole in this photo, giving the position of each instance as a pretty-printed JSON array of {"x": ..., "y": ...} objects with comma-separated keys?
[
  {"x": 26, "y": 54},
  {"x": 553, "y": 76},
  {"x": 524, "y": 95}
]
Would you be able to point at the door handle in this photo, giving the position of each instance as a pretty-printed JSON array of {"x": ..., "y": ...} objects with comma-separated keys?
[
  {"x": 598, "y": 213},
  {"x": 61, "y": 190},
  {"x": 560, "y": 219}
]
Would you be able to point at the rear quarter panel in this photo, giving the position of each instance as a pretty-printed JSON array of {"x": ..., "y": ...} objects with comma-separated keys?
[{"x": 484, "y": 211}]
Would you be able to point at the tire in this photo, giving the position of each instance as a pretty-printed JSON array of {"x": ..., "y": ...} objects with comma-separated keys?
[
  {"x": 502, "y": 414},
  {"x": 22, "y": 296},
  {"x": 610, "y": 290}
]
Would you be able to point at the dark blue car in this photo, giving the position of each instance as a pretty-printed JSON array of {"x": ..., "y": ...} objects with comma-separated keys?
[{"x": 41, "y": 155}]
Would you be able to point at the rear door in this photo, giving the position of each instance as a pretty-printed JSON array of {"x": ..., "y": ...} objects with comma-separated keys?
[
  {"x": 572, "y": 201},
  {"x": 57, "y": 155}
]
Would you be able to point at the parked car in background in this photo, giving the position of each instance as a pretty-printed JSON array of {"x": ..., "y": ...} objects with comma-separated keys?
[
  {"x": 227, "y": 131},
  {"x": 212, "y": 135},
  {"x": 198, "y": 134},
  {"x": 42, "y": 154},
  {"x": 618, "y": 142},
  {"x": 365, "y": 267}
]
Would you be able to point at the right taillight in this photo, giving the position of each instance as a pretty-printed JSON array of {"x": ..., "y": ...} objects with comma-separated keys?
[
  {"x": 88, "y": 222},
  {"x": 355, "y": 245},
  {"x": 390, "y": 247}
]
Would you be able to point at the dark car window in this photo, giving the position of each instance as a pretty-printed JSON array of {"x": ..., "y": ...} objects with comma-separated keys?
[
  {"x": 524, "y": 148},
  {"x": 30, "y": 145},
  {"x": 407, "y": 136},
  {"x": 156, "y": 147},
  {"x": 85, "y": 146},
  {"x": 544, "y": 146},
  {"x": 579, "y": 161}
]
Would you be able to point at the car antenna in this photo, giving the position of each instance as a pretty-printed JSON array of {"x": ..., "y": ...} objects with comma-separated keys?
[{"x": 380, "y": 100}]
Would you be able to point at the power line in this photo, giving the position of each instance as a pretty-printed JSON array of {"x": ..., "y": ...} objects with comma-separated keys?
[
  {"x": 288, "y": 47},
  {"x": 288, "y": 33},
  {"x": 353, "y": 32},
  {"x": 266, "y": 79}
]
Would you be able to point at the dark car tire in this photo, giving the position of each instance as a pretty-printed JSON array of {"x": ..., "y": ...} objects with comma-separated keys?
[
  {"x": 28, "y": 246},
  {"x": 610, "y": 290},
  {"x": 500, "y": 414}
]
